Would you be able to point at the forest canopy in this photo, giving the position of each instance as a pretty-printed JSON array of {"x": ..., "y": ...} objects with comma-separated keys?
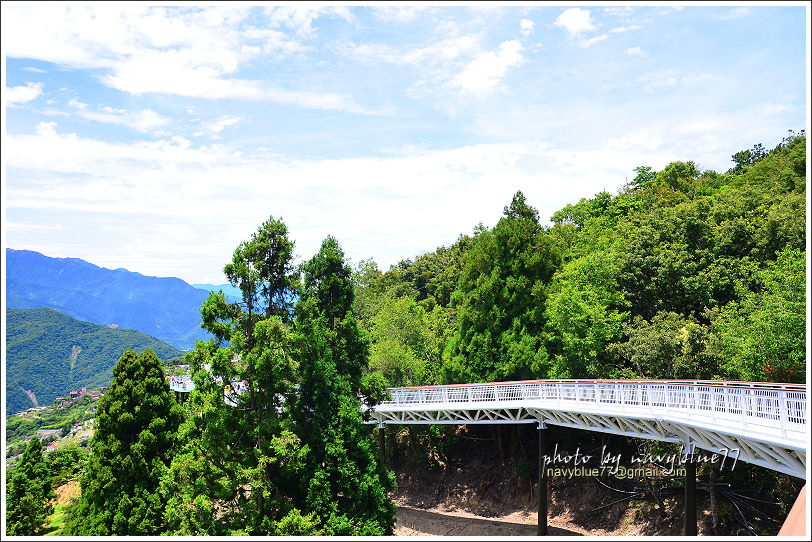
[{"x": 683, "y": 273}]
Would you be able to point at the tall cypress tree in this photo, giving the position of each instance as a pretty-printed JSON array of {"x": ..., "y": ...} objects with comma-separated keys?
[
  {"x": 136, "y": 429},
  {"x": 500, "y": 300},
  {"x": 240, "y": 459},
  {"x": 345, "y": 481},
  {"x": 28, "y": 493}
]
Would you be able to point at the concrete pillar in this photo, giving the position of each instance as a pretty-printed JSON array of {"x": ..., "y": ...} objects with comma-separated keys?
[
  {"x": 690, "y": 496},
  {"x": 541, "y": 530}
]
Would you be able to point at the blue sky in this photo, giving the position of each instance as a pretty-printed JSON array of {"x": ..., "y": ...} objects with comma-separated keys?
[{"x": 158, "y": 138}]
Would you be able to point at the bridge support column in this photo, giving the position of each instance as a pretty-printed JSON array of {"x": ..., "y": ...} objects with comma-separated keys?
[
  {"x": 541, "y": 530},
  {"x": 382, "y": 441},
  {"x": 689, "y": 528}
]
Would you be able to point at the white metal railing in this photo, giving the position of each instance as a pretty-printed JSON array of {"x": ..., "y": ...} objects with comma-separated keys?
[{"x": 752, "y": 403}]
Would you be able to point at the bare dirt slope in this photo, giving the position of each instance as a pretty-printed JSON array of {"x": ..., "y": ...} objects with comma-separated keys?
[
  {"x": 479, "y": 495},
  {"x": 442, "y": 521}
]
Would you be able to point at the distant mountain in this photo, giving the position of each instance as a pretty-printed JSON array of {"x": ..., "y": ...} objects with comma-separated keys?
[
  {"x": 48, "y": 354},
  {"x": 233, "y": 294},
  {"x": 166, "y": 308}
]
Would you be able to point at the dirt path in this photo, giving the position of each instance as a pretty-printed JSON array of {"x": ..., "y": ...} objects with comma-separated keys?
[{"x": 440, "y": 521}]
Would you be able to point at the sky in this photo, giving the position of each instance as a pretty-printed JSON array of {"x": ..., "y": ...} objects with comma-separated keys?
[{"x": 158, "y": 138}]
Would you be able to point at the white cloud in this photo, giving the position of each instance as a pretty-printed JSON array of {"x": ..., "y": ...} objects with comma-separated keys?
[
  {"x": 213, "y": 128},
  {"x": 456, "y": 64},
  {"x": 621, "y": 29},
  {"x": 434, "y": 54},
  {"x": 624, "y": 11},
  {"x": 693, "y": 78},
  {"x": 184, "y": 51},
  {"x": 19, "y": 95},
  {"x": 398, "y": 14},
  {"x": 592, "y": 41},
  {"x": 299, "y": 19},
  {"x": 73, "y": 102},
  {"x": 636, "y": 51},
  {"x": 33, "y": 69},
  {"x": 526, "y": 27},
  {"x": 671, "y": 78},
  {"x": 575, "y": 21},
  {"x": 485, "y": 72},
  {"x": 660, "y": 79},
  {"x": 162, "y": 197},
  {"x": 174, "y": 182},
  {"x": 771, "y": 108},
  {"x": 735, "y": 13},
  {"x": 144, "y": 121}
]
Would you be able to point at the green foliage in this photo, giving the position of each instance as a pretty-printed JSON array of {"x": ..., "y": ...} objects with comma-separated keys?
[
  {"x": 66, "y": 463},
  {"x": 762, "y": 336},
  {"x": 408, "y": 342},
  {"x": 328, "y": 293},
  {"x": 500, "y": 298},
  {"x": 668, "y": 346},
  {"x": 746, "y": 158},
  {"x": 583, "y": 314},
  {"x": 262, "y": 270},
  {"x": 344, "y": 484},
  {"x": 654, "y": 281},
  {"x": 39, "y": 343},
  {"x": 28, "y": 493},
  {"x": 136, "y": 429},
  {"x": 239, "y": 463}
]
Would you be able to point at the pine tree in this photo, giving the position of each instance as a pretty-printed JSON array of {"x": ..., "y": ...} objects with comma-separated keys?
[
  {"x": 345, "y": 482},
  {"x": 240, "y": 460},
  {"x": 500, "y": 299},
  {"x": 136, "y": 429},
  {"x": 29, "y": 493}
]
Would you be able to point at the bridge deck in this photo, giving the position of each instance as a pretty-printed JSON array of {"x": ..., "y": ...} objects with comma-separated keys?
[{"x": 762, "y": 423}]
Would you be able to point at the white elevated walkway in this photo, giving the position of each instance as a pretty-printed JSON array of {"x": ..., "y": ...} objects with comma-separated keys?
[{"x": 761, "y": 423}]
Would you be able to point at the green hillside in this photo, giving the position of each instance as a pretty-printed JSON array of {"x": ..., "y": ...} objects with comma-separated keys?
[
  {"x": 49, "y": 354},
  {"x": 683, "y": 273}
]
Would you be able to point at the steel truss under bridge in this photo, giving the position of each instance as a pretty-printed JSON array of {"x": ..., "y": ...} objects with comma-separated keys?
[{"x": 761, "y": 423}]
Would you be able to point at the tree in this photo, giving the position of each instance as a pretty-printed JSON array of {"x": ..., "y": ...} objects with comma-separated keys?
[
  {"x": 583, "y": 315},
  {"x": 66, "y": 462},
  {"x": 645, "y": 176},
  {"x": 762, "y": 336},
  {"x": 329, "y": 289},
  {"x": 500, "y": 300},
  {"x": 28, "y": 493},
  {"x": 263, "y": 271},
  {"x": 345, "y": 484},
  {"x": 746, "y": 158},
  {"x": 136, "y": 428},
  {"x": 240, "y": 462},
  {"x": 668, "y": 346}
]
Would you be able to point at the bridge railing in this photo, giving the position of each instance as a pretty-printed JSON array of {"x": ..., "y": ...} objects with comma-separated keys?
[{"x": 765, "y": 404}]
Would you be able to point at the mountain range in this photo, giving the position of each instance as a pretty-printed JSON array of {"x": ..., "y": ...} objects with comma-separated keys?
[
  {"x": 232, "y": 293},
  {"x": 49, "y": 354},
  {"x": 166, "y": 308}
]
